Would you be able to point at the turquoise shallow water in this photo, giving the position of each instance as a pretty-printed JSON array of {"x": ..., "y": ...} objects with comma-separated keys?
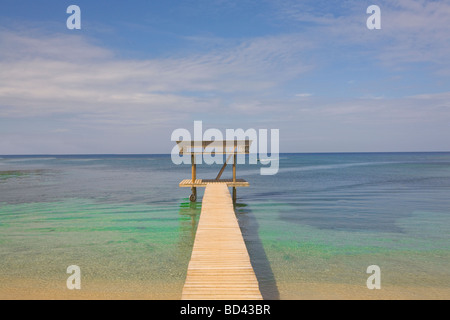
[{"x": 322, "y": 218}]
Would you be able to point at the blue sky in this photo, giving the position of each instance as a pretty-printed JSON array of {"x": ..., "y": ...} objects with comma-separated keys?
[{"x": 138, "y": 70}]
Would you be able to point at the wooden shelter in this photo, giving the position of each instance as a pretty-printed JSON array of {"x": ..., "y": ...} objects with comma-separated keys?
[{"x": 231, "y": 148}]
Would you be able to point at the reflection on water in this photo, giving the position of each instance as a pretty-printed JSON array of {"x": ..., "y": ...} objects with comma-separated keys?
[{"x": 190, "y": 211}]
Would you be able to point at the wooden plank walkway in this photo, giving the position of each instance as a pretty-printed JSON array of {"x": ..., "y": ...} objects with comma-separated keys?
[{"x": 220, "y": 267}]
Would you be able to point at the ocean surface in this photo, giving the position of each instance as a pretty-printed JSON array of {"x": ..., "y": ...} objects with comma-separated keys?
[{"x": 323, "y": 218}]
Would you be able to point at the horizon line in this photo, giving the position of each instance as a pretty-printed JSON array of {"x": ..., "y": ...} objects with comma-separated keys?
[{"x": 168, "y": 154}]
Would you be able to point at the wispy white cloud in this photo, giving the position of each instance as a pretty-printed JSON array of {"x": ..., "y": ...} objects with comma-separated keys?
[
  {"x": 31, "y": 44},
  {"x": 303, "y": 95},
  {"x": 318, "y": 124},
  {"x": 412, "y": 30},
  {"x": 86, "y": 88},
  {"x": 44, "y": 75}
]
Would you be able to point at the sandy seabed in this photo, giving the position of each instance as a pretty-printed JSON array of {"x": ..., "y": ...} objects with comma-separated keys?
[
  {"x": 30, "y": 289},
  {"x": 337, "y": 291}
]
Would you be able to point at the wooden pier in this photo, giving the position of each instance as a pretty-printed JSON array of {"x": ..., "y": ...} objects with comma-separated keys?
[{"x": 220, "y": 267}]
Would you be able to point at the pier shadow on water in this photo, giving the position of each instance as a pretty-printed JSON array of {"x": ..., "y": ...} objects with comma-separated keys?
[{"x": 249, "y": 226}]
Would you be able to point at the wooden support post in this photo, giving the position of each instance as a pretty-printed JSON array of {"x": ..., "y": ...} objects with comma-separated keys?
[
  {"x": 194, "y": 169},
  {"x": 225, "y": 164},
  {"x": 234, "y": 168},
  {"x": 223, "y": 168},
  {"x": 193, "y": 196},
  {"x": 234, "y": 171}
]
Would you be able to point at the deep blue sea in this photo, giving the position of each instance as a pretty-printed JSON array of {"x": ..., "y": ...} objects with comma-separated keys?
[{"x": 322, "y": 219}]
